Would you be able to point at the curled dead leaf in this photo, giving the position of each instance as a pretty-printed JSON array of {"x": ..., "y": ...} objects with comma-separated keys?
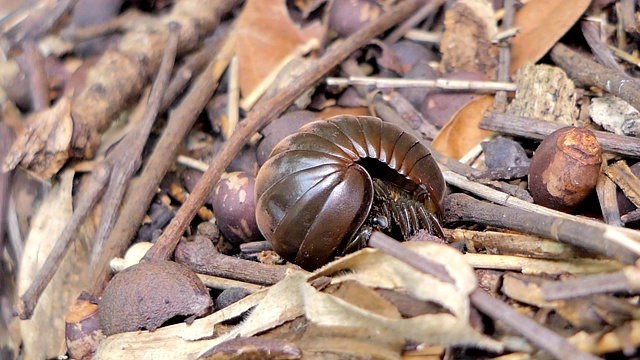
[{"x": 462, "y": 133}]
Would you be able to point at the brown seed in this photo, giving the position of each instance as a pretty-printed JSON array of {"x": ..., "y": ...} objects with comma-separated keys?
[
  {"x": 234, "y": 206},
  {"x": 564, "y": 169}
]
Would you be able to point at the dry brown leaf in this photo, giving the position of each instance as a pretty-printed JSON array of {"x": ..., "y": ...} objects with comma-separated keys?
[
  {"x": 462, "y": 133},
  {"x": 43, "y": 334},
  {"x": 267, "y": 40},
  {"x": 377, "y": 270},
  {"x": 45, "y": 143},
  {"x": 542, "y": 23}
]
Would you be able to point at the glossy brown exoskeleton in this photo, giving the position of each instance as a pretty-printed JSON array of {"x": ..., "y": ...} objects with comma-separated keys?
[{"x": 327, "y": 186}]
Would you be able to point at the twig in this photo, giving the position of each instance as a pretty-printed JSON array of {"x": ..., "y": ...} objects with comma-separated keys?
[
  {"x": 589, "y": 235},
  {"x": 230, "y": 122},
  {"x": 426, "y": 10},
  {"x": 27, "y": 302},
  {"x": 200, "y": 255},
  {"x": 424, "y": 36},
  {"x": 527, "y": 265},
  {"x": 504, "y": 55},
  {"x": 264, "y": 112},
  {"x": 538, "y": 129},
  {"x": 620, "y": 173},
  {"x": 508, "y": 243},
  {"x": 540, "y": 336},
  {"x": 608, "y": 199},
  {"x": 590, "y": 73},
  {"x": 7, "y": 137},
  {"x": 623, "y": 281},
  {"x": 193, "y": 65},
  {"x": 598, "y": 47},
  {"x": 143, "y": 189},
  {"x": 634, "y": 60},
  {"x": 38, "y": 83},
  {"x": 446, "y": 84},
  {"x": 496, "y": 309},
  {"x": 129, "y": 151}
]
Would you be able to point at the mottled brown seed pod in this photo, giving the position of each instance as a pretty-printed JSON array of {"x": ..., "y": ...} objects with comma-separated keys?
[
  {"x": 234, "y": 206},
  {"x": 564, "y": 169}
]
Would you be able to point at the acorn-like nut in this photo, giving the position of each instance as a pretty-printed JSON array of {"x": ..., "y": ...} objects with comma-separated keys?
[
  {"x": 564, "y": 169},
  {"x": 234, "y": 205},
  {"x": 146, "y": 295}
]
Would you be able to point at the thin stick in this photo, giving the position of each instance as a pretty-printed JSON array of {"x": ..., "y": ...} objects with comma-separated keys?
[
  {"x": 626, "y": 280},
  {"x": 446, "y": 84},
  {"x": 264, "y": 112},
  {"x": 143, "y": 189},
  {"x": 414, "y": 20},
  {"x": 540, "y": 336},
  {"x": 129, "y": 151},
  {"x": 504, "y": 55}
]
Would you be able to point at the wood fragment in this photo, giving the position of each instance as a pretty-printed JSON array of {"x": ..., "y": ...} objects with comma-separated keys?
[
  {"x": 606, "y": 190},
  {"x": 509, "y": 243},
  {"x": 626, "y": 280},
  {"x": 620, "y": 173},
  {"x": 538, "y": 129},
  {"x": 591, "y": 236},
  {"x": 589, "y": 73}
]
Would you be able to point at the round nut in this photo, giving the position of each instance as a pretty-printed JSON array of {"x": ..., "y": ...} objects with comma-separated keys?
[
  {"x": 564, "y": 169},
  {"x": 234, "y": 206}
]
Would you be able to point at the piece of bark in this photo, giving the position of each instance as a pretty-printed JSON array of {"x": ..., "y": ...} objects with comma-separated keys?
[
  {"x": 607, "y": 197},
  {"x": 545, "y": 92},
  {"x": 114, "y": 81},
  {"x": 622, "y": 175},
  {"x": 508, "y": 243},
  {"x": 466, "y": 42}
]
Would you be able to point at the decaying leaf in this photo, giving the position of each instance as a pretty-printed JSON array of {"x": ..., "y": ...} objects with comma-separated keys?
[
  {"x": 47, "y": 225},
  {"x": 377, "y": 270},
  {"x": 267, "y": 40},
  {"x": 542, "y": 23},
  {"x": 45, "y": 142},
  {"x": 462, "y": 133},
  {"x": 348, "y": 311}
]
